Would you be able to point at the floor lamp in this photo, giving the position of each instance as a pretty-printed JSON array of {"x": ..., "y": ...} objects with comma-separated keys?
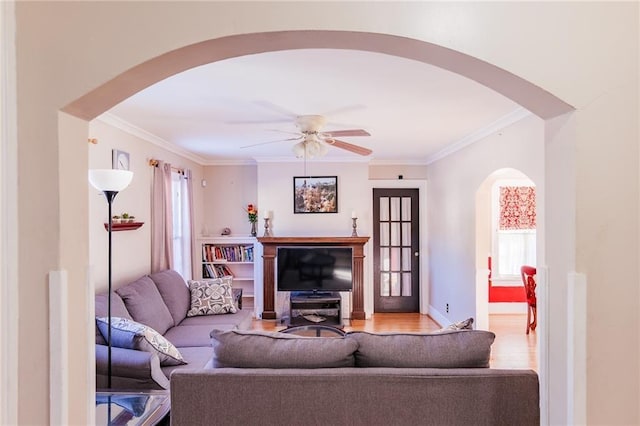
[{"x": 110, "y": 182}]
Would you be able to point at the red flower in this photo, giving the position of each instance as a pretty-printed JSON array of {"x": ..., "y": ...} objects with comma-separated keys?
[{"x": 252, "y": 212}]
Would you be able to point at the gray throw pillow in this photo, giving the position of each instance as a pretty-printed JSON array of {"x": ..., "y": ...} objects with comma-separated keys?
[
  {"x": 128, "y": 334},
  {"x": 261, "y": 349},
  {"x": 211, "y": 297},
  {"x": 448, "y": 349}
]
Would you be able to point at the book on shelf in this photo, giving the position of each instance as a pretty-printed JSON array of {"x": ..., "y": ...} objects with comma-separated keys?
[
  {"x": 217, "y": 253},
  {"x": 215, "y": 271}
]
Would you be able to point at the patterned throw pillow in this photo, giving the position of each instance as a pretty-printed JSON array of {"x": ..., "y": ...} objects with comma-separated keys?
[
  {"x": 128, "y": 334},
  {"x": 211, "y": 297},
  {"x": 460, "y": 325}
]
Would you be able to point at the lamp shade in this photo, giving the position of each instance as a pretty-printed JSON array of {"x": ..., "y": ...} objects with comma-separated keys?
[{"x": 110, "y": 179}]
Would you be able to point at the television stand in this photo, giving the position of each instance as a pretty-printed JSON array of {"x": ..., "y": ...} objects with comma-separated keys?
[
  {"x": 315, "y": 294},
  {"x": 315, "y": 308}
]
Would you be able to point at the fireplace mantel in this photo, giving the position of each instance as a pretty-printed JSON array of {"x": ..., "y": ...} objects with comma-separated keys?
[{"x": 270, "y": 244}]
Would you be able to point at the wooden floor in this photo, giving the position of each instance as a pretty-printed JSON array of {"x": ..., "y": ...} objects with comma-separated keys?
[{"x": 511, "y": 349}]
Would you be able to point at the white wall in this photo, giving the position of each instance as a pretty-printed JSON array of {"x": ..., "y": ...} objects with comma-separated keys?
[
  {"x": 453, "y": 183},
  {"x": 586, "y": 53},
  {"x": 131, "y": 250},
  {"x": 275, "y": 193},
  {"x": 229, "y": 189}
]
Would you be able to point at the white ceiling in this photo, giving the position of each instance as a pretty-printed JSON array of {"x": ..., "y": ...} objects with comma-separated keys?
[{"x": 414, "y": 112}]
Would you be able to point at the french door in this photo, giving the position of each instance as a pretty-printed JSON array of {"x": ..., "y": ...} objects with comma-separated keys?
[{"x": 396, "y": 256}]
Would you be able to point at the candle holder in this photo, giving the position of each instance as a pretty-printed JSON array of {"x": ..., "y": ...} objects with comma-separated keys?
[
  {"x": 267, "y": 231},
  {"x": 354, "y": 233}
]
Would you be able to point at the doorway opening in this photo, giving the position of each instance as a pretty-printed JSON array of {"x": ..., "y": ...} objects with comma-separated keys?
[{"x": 506, "y": 240}]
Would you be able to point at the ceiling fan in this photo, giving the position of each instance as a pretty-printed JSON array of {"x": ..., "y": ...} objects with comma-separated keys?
[{"x": 313, "y": 142}]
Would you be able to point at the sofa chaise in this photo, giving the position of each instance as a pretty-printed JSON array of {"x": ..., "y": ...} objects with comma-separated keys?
[{"x": 161, "y": 302}]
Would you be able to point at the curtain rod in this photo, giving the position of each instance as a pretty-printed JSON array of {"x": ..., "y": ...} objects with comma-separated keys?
[{"x": 154, "y": 163}]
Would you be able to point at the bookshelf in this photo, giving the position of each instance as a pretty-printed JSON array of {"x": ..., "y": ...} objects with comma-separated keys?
[{"x": 228, "y": 255}]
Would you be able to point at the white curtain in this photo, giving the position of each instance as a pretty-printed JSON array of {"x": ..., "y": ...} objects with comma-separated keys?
[
  {"x": 161, "y": 218},
  {"x": 183, "y": 224}
]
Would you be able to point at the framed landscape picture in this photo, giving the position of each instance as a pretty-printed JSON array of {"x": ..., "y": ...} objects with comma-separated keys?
[{"x": 315, "y": 194}]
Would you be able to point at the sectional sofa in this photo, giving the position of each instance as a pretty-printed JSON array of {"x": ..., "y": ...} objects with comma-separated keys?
[
  {"x": 161, "y": 302},
  {"x": 360, "y": 379}
]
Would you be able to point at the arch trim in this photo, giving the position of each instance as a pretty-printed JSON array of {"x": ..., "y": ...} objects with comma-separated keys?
[{"x": 114, "y": 91}]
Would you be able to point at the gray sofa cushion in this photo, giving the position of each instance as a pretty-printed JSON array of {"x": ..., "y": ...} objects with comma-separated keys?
[
  {"x": 241, "y": 320},
  {"x": 144, "y": 303},
  {"x": 257, "y": 349},
  {"x": 191, "y": 335},
  {"x": 447, "y": 349},
  {"x": 174, "y": 292},
  {"x": 117, "y": 310},
  {"x": 197, "y": 358}
]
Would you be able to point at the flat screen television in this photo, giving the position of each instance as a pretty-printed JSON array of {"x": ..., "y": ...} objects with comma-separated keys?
[{"x": 315, "y": 270}]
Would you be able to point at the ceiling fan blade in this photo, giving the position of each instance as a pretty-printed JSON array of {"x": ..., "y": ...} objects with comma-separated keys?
[
  {"x": 280, "y": 110},
  {"x": 265, "y": 143},
  {"x": 350, "y": 132},
  {"x": 349, "y": 147},
  {"x": 284, "y": 131},
  {"x": 288, "y": 115}
]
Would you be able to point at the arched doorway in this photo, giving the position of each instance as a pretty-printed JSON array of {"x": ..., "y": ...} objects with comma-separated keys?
[
  {"x": 107, "y": 95},
  {"x": 498, "y": 286}
]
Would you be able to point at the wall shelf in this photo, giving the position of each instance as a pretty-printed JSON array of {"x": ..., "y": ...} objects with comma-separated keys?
[{"x": 129, "y": 226}]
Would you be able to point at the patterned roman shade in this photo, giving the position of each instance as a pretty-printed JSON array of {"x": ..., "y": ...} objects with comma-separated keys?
[{"x": 517, "y": 207}]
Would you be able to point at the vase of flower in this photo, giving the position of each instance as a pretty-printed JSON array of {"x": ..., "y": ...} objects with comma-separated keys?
[{"x": 252, "y": 214}]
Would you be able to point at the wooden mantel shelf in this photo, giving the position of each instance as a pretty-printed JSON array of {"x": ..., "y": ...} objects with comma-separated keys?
[
  {"x": 270, "y": 245},
  {"x": 349, "y": 241}
]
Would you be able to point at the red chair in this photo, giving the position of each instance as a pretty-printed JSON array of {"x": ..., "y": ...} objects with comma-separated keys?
[{"x": 528, "y": 274}]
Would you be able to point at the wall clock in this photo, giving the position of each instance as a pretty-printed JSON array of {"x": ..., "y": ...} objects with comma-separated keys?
[{"x": 120, "y": 160}]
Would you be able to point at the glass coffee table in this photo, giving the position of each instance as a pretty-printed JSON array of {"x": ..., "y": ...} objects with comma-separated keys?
[
  {"x": 314, "y": 330},
  {"x": 140, "y": 408}
]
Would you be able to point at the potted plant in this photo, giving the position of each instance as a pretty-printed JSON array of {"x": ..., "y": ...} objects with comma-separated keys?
[
  {"x": 126, "y": 218},
  {"x": 116, "y": 219}
]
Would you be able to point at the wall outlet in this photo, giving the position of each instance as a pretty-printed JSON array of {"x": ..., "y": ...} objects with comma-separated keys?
[{"x": 447, "y": 308}]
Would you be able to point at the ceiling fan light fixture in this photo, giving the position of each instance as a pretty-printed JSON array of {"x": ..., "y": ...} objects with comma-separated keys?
[
  {"x": 299, "y": 149},
  {"x": 312, "y": 149},
  {"x": 322, "y": 148}
]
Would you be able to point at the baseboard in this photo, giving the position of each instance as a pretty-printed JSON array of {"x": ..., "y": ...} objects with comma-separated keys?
[{"x": 438, "y": 317}]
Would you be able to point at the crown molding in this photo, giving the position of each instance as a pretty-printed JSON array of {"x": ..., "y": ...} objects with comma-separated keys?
[
  {"x": 398, "y": 162},
  {"x": 505, "y": 121},
  {"x": 293, "y": 159},
  {"x": 125, "y": 126}
]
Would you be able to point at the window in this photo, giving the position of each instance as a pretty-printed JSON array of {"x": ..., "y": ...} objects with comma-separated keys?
[
  {"x": 514, "y": 228},
  {"x": 181, "y": 225}
]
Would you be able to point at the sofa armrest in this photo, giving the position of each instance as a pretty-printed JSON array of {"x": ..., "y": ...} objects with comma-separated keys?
[{"x": 130, "y": 369}]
